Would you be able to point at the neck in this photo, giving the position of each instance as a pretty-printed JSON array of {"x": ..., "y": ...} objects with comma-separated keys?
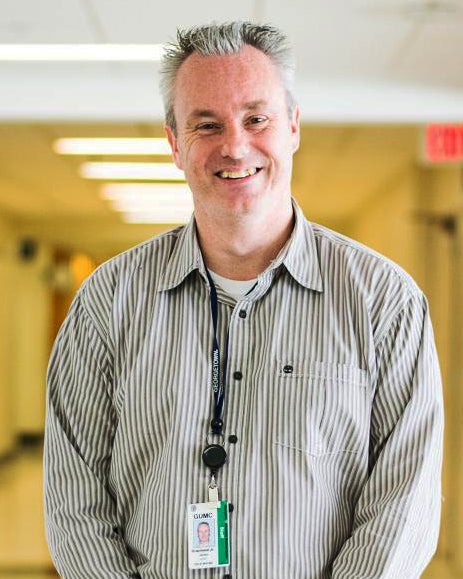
[{"x": 241, "y": 249}]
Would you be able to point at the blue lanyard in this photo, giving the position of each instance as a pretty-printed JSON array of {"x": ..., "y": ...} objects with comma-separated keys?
[{"x": 218, "y": 381}]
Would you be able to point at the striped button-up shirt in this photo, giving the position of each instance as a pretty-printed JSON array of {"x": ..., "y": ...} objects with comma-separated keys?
[{"x": 333, "y": 396}]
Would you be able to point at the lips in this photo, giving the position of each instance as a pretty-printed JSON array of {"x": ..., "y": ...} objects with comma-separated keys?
[{"x": 238, "y": 174}]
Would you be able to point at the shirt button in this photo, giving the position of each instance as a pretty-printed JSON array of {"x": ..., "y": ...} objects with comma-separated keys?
[
  {"x": 288, "y": 369},
  {"x": 227, "y": 576},
  {"x": 231, "y": 507},
  {"x": 237, "y": 375},
  {"x": 233, "y": 438},
  {"x": 242, "y": 313}
]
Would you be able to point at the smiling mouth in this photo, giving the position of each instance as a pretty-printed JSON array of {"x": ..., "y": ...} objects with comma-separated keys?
[{"x": 238, "y": 174}]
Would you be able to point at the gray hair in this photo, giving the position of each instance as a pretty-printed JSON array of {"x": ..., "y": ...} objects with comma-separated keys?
[{"x": 223, "y": 39}]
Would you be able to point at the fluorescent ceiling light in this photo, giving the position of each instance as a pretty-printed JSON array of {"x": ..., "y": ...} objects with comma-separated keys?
[
  {"x": 149, "y": 197},
  {"x": 150, "y": 203},
  {"x": 170, "y": 190},
  {"x": 82, "y": 52},
  {"x": 157, "y": 217},
  {"x": 112, "y": 146},
  {"x": 143, "y": 171}
]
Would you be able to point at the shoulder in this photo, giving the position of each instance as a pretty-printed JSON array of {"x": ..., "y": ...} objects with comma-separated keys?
[
  {"x": 362, "y": 274},
  {"x": 141, "y": 266},
  {"x": 358, "y": 260},
  {"x": 152, "y": 253}
]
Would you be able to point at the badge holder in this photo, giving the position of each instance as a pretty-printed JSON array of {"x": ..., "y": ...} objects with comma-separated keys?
[
  {"x": 208, "y": 535},
  {"x": 208, "y": 525}
]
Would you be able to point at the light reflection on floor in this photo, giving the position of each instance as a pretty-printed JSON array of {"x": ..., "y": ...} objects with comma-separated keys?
[{"x": 23, "y": 550}]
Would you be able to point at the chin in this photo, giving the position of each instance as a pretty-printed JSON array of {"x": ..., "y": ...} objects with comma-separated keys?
[{"x": 244, "y": 203}]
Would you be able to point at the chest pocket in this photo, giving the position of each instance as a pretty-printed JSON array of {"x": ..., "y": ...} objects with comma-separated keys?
[{"x": 320, "y": 408}]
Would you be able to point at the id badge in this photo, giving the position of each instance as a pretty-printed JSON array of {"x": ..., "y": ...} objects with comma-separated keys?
[{"x": 208, "y": 535}]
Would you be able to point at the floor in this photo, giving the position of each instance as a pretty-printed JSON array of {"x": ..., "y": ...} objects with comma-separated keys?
[{"x": 23, "y": 550}]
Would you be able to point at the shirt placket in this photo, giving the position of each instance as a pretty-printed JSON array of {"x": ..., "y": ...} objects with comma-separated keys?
[{"x": 236, "y": 418}]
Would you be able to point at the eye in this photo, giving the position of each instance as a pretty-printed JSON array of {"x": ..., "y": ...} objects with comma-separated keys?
[
  {"x": 208, "y": 127},
  {"x": 257, "y": 120}
]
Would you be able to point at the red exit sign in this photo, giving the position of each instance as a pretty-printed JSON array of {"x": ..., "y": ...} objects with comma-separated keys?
[{"x": 444, "y": 143}]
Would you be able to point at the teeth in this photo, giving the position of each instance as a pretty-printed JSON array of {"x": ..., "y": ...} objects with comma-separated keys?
[{"x": 237, "y": 174}]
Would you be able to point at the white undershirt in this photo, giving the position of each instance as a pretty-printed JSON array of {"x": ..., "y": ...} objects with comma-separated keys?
[{"x": 235, "y": 289}]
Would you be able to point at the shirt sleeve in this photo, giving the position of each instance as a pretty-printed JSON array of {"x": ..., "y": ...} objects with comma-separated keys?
[
  {"x": 396, "y": 519},
  {"x": 82, "y": 526}
]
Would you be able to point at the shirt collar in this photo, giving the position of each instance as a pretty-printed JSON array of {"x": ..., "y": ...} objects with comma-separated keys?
[
  {"x": 185, "y": 257},
  {"x": 299, "y": 256}
]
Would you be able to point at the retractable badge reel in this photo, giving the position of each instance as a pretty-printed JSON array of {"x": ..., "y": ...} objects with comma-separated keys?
[{"x": 214, "y": 455}]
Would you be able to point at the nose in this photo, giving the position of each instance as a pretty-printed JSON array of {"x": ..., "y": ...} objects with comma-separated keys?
[{"x": 235, "y": 144}]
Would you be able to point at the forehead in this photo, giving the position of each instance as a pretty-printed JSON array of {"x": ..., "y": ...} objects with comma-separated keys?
[{"x": 208, "y": 82}]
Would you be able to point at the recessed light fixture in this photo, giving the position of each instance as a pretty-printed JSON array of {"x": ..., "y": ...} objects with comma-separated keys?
[
  {"x": 82, "y": 52},
  {"x": 112, "y": 146},
  {"x": 129, "y": 171},
  {"x": 157, "y": 217},
  {"x": 149, "y": 195},
  {"x": 150, "y": 203}
]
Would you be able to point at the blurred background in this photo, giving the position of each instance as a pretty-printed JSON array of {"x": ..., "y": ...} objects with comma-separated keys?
[{"x": 380, "y": 85}]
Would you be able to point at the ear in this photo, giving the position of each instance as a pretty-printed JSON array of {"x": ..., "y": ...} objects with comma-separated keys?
[
  {"x": 295, "y": 128},
  {"x": 173, "y": 142}
]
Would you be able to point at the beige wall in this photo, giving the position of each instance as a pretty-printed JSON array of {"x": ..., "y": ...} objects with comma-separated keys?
[
  {"x": 388, "y": 223},
  {"x": 25, "y": 317},
  {"x": 409, "y": 224},
  {"x": 442, "y": 196},
  {"x": 32, "y": 320},
  {"x": 6, "y": 325}
]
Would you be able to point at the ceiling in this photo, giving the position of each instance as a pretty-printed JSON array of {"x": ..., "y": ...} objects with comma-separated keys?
[
  {"x": 358, "y": 60},
  {"x": 370, "y": 73}
]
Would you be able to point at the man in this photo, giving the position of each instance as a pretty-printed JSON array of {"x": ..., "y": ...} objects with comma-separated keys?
[
  {"x": 306, "y": 358},
  {"x": 204, "y": 534}
]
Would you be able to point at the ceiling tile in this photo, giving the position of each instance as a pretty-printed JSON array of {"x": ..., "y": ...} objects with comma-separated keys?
[
  {"x": 436, "y": 57},
  {"x": 144, "y": 21},
  {"x": 337, "y": 38},
  {"x": 46, "y": 21}
]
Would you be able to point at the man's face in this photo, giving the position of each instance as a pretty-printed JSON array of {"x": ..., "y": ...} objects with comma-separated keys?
[
  {"x": 234, "y": 138},
  {"x": 203, "y": 533}
]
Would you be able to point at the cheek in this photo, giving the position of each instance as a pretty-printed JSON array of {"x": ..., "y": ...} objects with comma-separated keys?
[
  {"x": 192, "y": 156},
  {"x": 276, "y": 145},
  {"x": 285, "y": 151}
]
